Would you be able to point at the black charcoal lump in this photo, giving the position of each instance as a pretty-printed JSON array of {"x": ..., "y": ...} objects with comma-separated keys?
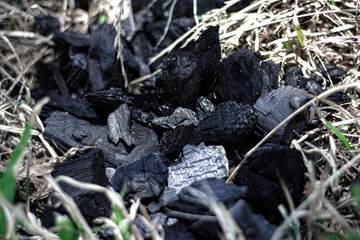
[
  {"x": 198, "y": 162},
  {"x": 230, "y": 122},
  {"x": 119, "y": 125},
  {"x": 262, "y": 171},
  {"x": 189, "y": 71},
  {"x": 240, "y": 78},
  {"x": 180, "y": 117},
  {"x": 146, "y": 177}
]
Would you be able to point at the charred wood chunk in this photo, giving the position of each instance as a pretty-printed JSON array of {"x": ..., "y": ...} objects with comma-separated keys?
[
  {"x": 193, "y": 204},
  {"x": 89, "y": 168},
  {"x": 230, "y": 122},
  {"x": 70, "y": 38},
  {"x": 173, "y": 141},
  {"x": 146, "y": 177},
  {"x": 330, "y": 71},
  {"x": 271, "y": 72},
  {"x": 46, "y": 24},
  {"x": 119, "y": 125},
  {"x": 180, "y": 117},
  {"x": 204, "y": 108},
  {"x": 262, "y": 171},
  {"x": 189, "y": 71},
  {"x": 276, "y": 106},
  {"x": 295, "y": 78},
  {"x": 68, "y": 131},
  {"x": 240, "y": 78},
  {"x": 198, "y": 162}
]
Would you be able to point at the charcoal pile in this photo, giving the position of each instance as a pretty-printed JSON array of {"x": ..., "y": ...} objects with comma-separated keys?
[{"x": 174, "y": 145}]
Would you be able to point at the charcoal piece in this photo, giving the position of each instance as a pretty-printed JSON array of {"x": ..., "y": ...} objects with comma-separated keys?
[
  {"x": 190, "y": 71},
  {"x": 45, "y": 78},
  {"x": 149, "y": 102},
  {"x": 193, "y": 203},
  {"x": 70, "y": 38},
  {"x": 129, "y": 31},
  {"x": 313, "y": 87},
  {"x": 230, "y": 122},
  {"x": 74, "y": 68},
  {"x": 119, "y": 125},
  {"x": 204, "y": 108},
  {"x": 240, "y": 78},
  {"x": 295, "y": 78},
  {"x": 180, "y": 117},
  {"x": 261, "y": 174},
  {"x": 173, "y": 141},
  {"x": 68, "y": 131},
  {"x": 198, "y": 162},
  {"x": 142, "y": 117},
  {"x": 59, "y": 79},
  {"x": 277, "y": 105},
  {"x": 83, "y": 4},
  {"x": 157, "y": 219},
  {"x": 167, "y": 196},
  {"x": 339, "y": 98},
  {"x": 330, "y": 71},
  {"x": 96, "y": 77},
  {"x": 141, "y": 45},
  {"x": 138, "y": 5},
  {"x": 89, "y": 168},
  {"x": 146, "y": 177},
  {"x": 46, "y": 24},
  {"x": 271, "y": 72},
  {"x": 178, "y": 231},
  {"x": 254, "y": 226},
  {"x": 74, "y": 106}
]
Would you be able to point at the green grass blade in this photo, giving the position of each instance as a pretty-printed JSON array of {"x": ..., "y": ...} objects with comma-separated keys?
[
  {"x": 338, "y": 134},
  {"x": 300, "y": 35}
]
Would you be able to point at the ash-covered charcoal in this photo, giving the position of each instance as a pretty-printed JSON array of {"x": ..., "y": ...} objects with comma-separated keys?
[
  {"x": 204, "y": 108},
  {"x": 330, "y": 71},
  {"x": 261, "y": 173},
  {"x": 70, "y": 38},
  {"x": 198, "y": 162},
  {"x": 190, "y": 71},
  {"x": 75, "y": 106},
  {"x": 230, "y": 122},
  {"x": 277, "y": 105},
  {"x": 193, "y": 203},
  {"x": 254, "y": 226},
  {"x": 313, "y": 87},
  {"x": 46, "y": 24},
  {"x": 68, "y": 131},
  {"x": 271, "y": 72},
  {"x": 146, "y": 177},
  {"x": 180, "y": 117},
  {"x": 240, "y": 78},
  {"x": 74, "y": 66},
  {"x": 89, "y": 168},
  {"x": 173, "y": 141},
  {"x": 119, "y": 125}
]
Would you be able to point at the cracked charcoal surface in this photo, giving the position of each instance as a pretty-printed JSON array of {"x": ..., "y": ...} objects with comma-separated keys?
[
  {"x": 240, "y": 78},
  {"x": 173, "y": 141},
  {"x": 185, "y": 71},
  {"x": 146, "y": 177},
  {"x": 198, "y": 162},
  {"x": 277, "y": 105},
  {"x": 180, "y": 117},
  {"x": 230, "y": 122},
  {"x": 68, "y": 131},
  {"x": 204, "y": 108},
  {"x": 119, "y": 125},
  {"x": 259, "y": 173}
]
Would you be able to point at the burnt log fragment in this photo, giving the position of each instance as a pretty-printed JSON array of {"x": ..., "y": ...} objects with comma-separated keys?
[
  {"x": 190, "y": 71},
  {"x": 146, "y": 177},
  {"x": 276, "y": 106},
  {"x": 240, "y": 78},
  {"x": 46, "y": 24},
  {"x": 261, "y": 173},
  {"x": 230, "y": 122},
  {"x": 198, "y": 162},
  {"x": 173, "y": 141},
  {"x": 89, "y": 168}
]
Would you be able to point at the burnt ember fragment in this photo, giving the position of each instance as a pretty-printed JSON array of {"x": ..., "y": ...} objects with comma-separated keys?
[
  {"x": 46, "y": 24},
  {"x": 261, "y": 173},
  {"x": 180, "y": 117},
  {"x": 271, "y": 72},
  {"x": 68, "y": 131},
  {"x": 146, "y": 177},
  {"x": 277, "y": 105},
  {"x": 189, "y": 71},
  {"x": 230, "y": 122},
  {"x": 240, "y": 78},
  {"x": 173, "y": 141},
  {"x": 198, "y": 162},
  {"x": 89, "y": 168},
  {"x": 119, "y": 125},
  {"x": 330, "y": 71}
]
